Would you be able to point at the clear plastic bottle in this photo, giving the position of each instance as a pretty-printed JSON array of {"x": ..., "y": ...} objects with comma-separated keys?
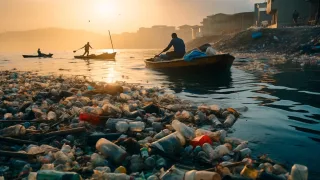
[
  {"x": 111, "y": 150},
  {"x": 216, "y": 153},
  {"x": 171, "y": 144},
  {"x": 136, "y": 126},
  {"x": 229, "y": 120},
  {"x": 122, "y": 126},
  {"x": 214, "y": 120},
  {"x": 186, "y": 131},
  {"x": 11, "y": 131},
  {"x": 162, "y": 134}
]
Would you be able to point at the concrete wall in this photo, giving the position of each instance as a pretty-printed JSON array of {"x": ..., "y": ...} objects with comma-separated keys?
[{"x": 282, "y": 10}]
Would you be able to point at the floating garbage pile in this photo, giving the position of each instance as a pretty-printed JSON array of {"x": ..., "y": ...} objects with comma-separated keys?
[{"x": 72, "y": 128}]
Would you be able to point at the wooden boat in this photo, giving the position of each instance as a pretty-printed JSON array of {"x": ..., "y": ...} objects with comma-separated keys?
[
  {"x": 104, "y": 56},
  {"x": 37, "y": 56},
  {"x": 218, "y": 62}
]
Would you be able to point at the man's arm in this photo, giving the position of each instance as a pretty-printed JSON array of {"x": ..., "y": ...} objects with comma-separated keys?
[
  {"x": 90, "y": 46},
  {"x": 169, "y": 46}
]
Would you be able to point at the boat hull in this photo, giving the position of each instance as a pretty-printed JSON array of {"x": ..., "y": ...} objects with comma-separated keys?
[
  {"x": 36, "y": 56},
  {"x": 219, "y": 62},
  {"x": 104, "y": 56}
]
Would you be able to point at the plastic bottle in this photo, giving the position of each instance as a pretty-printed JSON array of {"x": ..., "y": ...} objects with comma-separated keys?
[
  {"x": 241, "y": 146},
  {"x": 186, "y": 131},
  {"x": 229, "y": 120},
  {"x": 216, "y": 153},
  {"x": 150, "y": 162},
  {"x": 214, "y": 120},
  {"x": 12, "y": 131},
  {"x": 111, "y": 123},
  {"x": 111, "y": 150},
  {"x": 171, "y": 144},
  {"x": 162, "y": 134},
  {"x": 57, "y": 175},
  {"x": 299, "y": 172},
  {"x": 136, "y": 126},
  {"x": 207, "y": 175},
  {"x": 173, "y": 174},
  {"x": 97, "y": 160},
  {"x": 245, "y": 152},
  {"x": 122, "y": 126},
  {"x": 120, "y": 169}
]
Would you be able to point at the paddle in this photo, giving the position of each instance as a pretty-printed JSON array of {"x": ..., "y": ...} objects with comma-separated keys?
[{"x": 76, "y": 50}]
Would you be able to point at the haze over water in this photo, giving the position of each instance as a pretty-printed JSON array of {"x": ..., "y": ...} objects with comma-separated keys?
[{"x": 283, "y": 110}]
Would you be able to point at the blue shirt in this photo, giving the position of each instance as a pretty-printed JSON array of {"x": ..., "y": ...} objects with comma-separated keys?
[{"x": 178, "y": 46}]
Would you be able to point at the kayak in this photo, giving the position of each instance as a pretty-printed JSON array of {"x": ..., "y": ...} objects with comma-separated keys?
[
  {"x": 37, "y": 56},
  {"x": 104, "y": 56},
  {"x": 221, "y": 62}
]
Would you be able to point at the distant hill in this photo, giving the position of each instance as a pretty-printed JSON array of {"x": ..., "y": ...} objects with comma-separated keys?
[{"x": 58, "y": 39}]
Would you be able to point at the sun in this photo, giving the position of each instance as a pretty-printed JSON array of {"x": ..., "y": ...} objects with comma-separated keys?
[{"x": 105, "y": 9}]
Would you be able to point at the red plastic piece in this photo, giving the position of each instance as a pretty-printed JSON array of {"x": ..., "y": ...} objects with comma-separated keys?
[
  {"x": 90, "y": 118},
  {"x": 200, "y": 140}
]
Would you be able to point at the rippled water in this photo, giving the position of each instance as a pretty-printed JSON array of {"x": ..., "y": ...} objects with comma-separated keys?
[{"x": 284, "y": 109}]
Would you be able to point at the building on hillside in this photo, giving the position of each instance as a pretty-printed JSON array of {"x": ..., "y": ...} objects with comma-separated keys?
[
  {"x": 281, "y": 11},
  {"x": 188, "y": 33},
  {"x": 224, "y": 23},
  {"x": 260, "y": 15}
]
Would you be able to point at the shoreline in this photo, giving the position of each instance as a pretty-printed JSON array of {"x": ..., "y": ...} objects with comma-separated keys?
[{"x": 122, "y": 100}]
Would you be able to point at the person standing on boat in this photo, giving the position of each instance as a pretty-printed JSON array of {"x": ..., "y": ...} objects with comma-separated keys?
[
  {"x": 39, "y": 52},
  {"x": 179, "y": 48},
  {"x": 86, "y": 49}
]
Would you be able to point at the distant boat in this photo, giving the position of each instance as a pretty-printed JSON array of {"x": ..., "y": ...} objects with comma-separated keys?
[
  {"x": 37, "y": 56},
  {"x": 221, "y": 62},
  {"x": 104, "y": 56}
]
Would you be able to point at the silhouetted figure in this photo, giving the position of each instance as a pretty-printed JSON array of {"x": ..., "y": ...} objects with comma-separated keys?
[
  {"x": 179, "y": 48},
  {"x": 39, "y": 52},
  {"x": 295, "y": 17},
  {"x": 86, "y": 49}
]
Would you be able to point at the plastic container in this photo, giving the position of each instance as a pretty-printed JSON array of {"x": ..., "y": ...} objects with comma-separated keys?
[
  {"x": 200, "y": 140},
  {"x": 144, "y": 152},
  {"x": 90, "y": 118},
  {"x": 162, "y": 134},
  {"x": 214, "y": 120},
  {"x": 111, "y": 151},
  {"x": 249, "y": 172},
  {"x": 12, "y": 131},
  {"x": 216, "y": 153},
  {"x": 229, "y": 120},
  {"x": 299, "y": 172},
  {"x": 171, "y": 144},
  {"x": 245, "y": 152},
  {"x": 136, "y": 126},
  {"x": 57, "y": 175},
  {"x": 186, "y": 131},
  {"x": 241, "y": 146},
  {"x": 111, "y": 123},
  {"x": 122, "y": 126}
]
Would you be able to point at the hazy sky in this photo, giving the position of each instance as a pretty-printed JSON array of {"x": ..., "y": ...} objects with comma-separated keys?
[{"x": 116, "y": 15}]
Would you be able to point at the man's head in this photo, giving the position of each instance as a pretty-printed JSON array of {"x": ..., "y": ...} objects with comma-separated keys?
[
  {"x": 87, "y": 42},
  {"x": 174, "y": 35}
]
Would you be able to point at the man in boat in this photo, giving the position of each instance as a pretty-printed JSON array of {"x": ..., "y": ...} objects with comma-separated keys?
[
  {"x": 179, "y": 48},
  {"x": 86, "y": 49},
  {"x": 39, "y": 52}
]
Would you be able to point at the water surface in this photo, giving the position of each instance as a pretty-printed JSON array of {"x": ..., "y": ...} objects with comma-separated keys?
[{"x": 283, "y": 109}]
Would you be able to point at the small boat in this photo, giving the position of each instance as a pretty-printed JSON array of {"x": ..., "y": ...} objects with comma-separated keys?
[
  {"x": 37, "y": 56},
  {"x": 104, "y": 56},
  {"x": 221, "y": 62}
]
